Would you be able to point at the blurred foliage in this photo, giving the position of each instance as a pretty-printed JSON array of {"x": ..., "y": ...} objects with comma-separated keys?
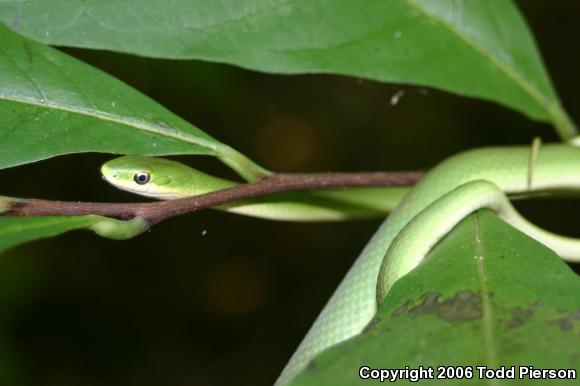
[{"x": 184, "y": 305}]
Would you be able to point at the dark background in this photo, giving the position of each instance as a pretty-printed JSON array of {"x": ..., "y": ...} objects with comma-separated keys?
[{"x": 218, "y": 299}]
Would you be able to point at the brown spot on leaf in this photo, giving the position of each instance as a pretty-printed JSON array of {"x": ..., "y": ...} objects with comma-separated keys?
[
  {"x": 402, "y": 309},
  {"x": 311, "y": 366},
  {"x": 568, "y": 321},
  {"x": 464, "y": 305},
  {"x": 520, "y": 315},
  {"x": 370, "y": 325}
]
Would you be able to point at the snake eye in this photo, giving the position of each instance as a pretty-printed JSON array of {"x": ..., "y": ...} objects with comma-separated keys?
[{"x": 142, "y": 178}]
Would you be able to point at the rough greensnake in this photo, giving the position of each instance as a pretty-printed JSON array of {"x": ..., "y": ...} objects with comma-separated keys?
[{"x": 460, "y": 185}]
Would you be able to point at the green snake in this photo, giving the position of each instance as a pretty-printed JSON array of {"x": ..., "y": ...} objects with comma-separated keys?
[
  {"x": 460, "y": 185},
  {"x": 165, "y": 179}
]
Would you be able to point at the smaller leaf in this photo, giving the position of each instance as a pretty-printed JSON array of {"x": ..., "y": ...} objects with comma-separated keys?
[{"x": 18, "y": 230}]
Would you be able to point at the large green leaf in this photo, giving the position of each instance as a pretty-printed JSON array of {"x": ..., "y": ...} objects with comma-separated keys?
[
  {"x": 476, "y": 48},
  {"x": 51, "y": 104},
  {"x": 486, "y": 295}
]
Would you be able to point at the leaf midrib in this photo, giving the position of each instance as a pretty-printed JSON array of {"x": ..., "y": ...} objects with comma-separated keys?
[
  {"x": 126, "y": 121},
  {"x": 487, "y": 319}
]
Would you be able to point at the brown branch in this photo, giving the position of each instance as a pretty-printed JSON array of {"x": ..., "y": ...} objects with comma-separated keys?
[{"x": 158, "y": 211}]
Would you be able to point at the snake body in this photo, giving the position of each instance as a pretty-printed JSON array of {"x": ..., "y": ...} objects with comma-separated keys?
[{"x": 479, "y": 178}]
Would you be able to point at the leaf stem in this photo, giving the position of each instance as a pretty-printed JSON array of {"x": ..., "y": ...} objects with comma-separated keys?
[
  {"x": 245, "y": 167},
  {"x": 563, "y": 125}
]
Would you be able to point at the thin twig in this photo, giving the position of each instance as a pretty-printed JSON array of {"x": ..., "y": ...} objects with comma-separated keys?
[{"x": 158, "y": 211}]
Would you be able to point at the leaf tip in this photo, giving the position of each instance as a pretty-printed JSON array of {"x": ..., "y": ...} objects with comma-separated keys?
[{"x": 6, "y": 204}]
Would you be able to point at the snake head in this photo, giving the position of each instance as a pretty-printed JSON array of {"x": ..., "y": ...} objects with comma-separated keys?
[
  {"x": 159, "y": 178},
  {"x": 146, "y": 176}
]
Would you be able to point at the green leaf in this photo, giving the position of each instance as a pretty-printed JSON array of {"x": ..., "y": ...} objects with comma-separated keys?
[
  {"x": 476, "y": 48},
  {"x": 18, "y": 230},
  {"x": 15, "y": 230},
  {"x": 487, "y": 295},
  {"x": 52, "y": 104}
]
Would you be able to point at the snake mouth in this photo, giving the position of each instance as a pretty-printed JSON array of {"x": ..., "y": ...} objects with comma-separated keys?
[
  {"x": 159, "y": 195},
  {"x": 111, "y": 182}
]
